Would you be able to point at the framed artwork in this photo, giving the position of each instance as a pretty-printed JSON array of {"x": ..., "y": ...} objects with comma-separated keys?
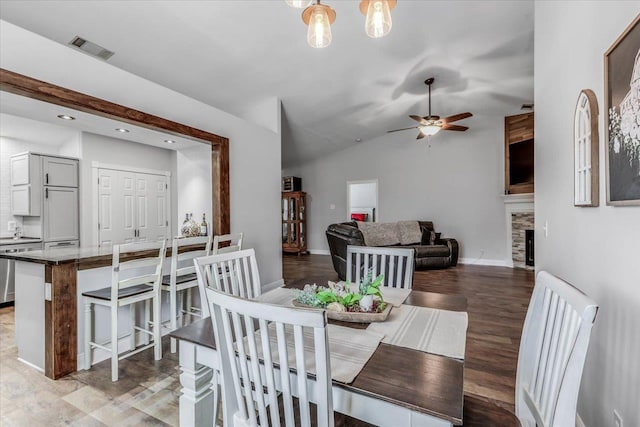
[
  {"x": 622, "y": 117},
  {"x": 585, "y": 147}
]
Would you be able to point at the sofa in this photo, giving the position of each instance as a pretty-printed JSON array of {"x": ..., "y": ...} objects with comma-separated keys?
[{"x": 431, "y": 251}]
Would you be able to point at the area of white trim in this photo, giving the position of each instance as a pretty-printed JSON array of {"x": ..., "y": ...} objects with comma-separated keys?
[
  {"x": 515, "y": 203},
  {"x": 37, "y": 368},
  {"x": 273, "y": 285},
  {"x": 319, "y": 251},
  {"x": 100, "y": 165},
  {"x": 579, "y": 422},
  {"x": 480, "y": 261}
]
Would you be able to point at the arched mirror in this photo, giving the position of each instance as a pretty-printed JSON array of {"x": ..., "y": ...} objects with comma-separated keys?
[{"x": 585, "y": 145}]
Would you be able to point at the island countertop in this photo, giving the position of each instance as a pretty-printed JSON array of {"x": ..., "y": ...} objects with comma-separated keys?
[{"x": 84, "y": 257}]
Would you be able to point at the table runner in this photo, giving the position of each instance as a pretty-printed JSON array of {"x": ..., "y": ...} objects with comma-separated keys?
[
  {"x": 430, "y": 330},
  {"x": 349, "y": 349},
  {"x": 284, "y": 296}
]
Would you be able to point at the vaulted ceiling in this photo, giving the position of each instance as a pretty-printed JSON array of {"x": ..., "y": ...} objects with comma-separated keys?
[{"x": 235, "y": 54}]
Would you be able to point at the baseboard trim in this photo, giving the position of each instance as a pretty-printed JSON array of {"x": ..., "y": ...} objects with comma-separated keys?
[
  {"x": 579, "y": 422},
  {"x": 480, "y": 261},
  {"x": 273, "y": 285},
  {"x": 319, "y": 251},
  {"x": 37, "y": 368}
]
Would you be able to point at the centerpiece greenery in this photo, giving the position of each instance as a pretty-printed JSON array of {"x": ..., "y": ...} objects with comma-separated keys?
[{"x": 366, "y": 298}]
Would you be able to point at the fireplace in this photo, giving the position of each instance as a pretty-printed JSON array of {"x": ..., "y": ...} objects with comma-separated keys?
[{"x": 529, "y": 257}]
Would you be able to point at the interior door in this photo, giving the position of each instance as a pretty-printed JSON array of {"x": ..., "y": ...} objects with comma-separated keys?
[
  {"x": 151, "y": 207},
  {"x": 116, "y": 207},
  {"x": 60, "y": 213}
]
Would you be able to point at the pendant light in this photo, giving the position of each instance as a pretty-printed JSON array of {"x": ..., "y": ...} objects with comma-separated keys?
[
  {"x": 319, "y": 17},
  {"x": 378, "y": 12},
  {"x": 299, "y": 4}
]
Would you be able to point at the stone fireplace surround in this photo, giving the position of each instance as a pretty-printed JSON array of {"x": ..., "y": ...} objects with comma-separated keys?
[{"x": 519, "y": 213}]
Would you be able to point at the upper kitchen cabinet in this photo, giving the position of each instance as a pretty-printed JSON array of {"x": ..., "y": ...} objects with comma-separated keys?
[
  {"x": 26, "y": 189},
  {"x": 25, "y": 169},
  {"x": 59, "y": 172}
]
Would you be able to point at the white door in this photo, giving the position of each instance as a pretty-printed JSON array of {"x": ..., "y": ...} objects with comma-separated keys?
[
  {"x": 131, "y": 206},
  {"x": 60, "y": 213},
  {"x": 60, "y": 172},
  {"x": 151, "y": 206},
  {"x": 116, "y": 210}
]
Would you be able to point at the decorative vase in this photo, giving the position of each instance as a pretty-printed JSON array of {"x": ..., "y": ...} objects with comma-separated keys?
[{"x": 366, "y": 303}]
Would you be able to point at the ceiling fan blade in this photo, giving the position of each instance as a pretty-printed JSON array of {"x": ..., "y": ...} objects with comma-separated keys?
[
  {"x": 419, "y": 119},
  {"x": 454, "y": 127},
  {"x": 398, "y": 130},
  {"x": 456, "y": 117},
  {"x": 420, "y": 135}
]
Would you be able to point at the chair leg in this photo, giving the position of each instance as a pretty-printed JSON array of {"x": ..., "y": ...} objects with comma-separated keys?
[
  {"x": 188, "y": 305},
  {"x": 132, "y": 337},
  {"x": 147, "y": 310},
  {"x": 173, "y": 310},
  {"x": 180, "y": 298},
  {"x": 215, "y": 387},
  {"x": 157, "y": 328},
  {"x": 114, "y": 343},
  {"x": 87, "y": 334}
]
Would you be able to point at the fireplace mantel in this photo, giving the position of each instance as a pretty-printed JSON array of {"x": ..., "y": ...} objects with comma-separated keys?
[{"x": 515, "y": 203}]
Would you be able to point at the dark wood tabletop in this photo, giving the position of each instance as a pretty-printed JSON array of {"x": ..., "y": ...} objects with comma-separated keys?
[{"x": 423, "y": 382}]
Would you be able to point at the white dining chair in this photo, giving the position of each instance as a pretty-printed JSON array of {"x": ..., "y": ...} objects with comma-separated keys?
[
  {"x": 555, "y": 338},
  {"x": 235, "y": 273},
  {"x": 133, "y": 281},
  {"x": 260, "y": 361},
  {"x": 395, "y": 263},
  {"x": 182, "y": 279},
  {"x": 227, "y": 243}
]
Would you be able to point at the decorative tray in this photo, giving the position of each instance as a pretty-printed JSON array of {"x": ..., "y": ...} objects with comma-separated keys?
[{"x": 352, "y": 316}]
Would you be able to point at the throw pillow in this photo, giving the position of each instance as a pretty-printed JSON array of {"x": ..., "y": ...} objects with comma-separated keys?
[
  {"x": 379, "y": 234},
  {"x": 430, "y": 238},
  {"x": 409, "y": 232}
]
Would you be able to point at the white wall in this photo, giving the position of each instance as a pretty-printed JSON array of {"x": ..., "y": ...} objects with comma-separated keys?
[
  {"x": 456, "y": 181},
  {"x": 596, "y": 249},
  {"x": 193, "y": 183},
  {"x": 9, "y": 147},
  {"x": 102, "y": 149},
  {"x": 254, "y": 150}
]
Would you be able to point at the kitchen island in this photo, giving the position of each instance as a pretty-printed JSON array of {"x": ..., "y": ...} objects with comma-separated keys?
[{"x": 49, "y": 286}]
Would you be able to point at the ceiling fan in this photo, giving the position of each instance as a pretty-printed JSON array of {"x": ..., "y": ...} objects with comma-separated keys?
[{"x": 431, "y": 124}]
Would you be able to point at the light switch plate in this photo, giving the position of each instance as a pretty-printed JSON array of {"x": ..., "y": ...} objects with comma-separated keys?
[{"x": 47, "y": 291}]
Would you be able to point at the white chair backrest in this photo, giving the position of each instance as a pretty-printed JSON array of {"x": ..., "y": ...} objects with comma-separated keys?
[
  {"x": 555, "y": 338},
  {"x": 182, "y": 262},
  {"x": 395, "y": 263},
  {"x": 235, "y": 273},
  {"x": 264, "y": 358},
  {"x": 234, "y": 243},
  {"x": 153, "y": 263}
]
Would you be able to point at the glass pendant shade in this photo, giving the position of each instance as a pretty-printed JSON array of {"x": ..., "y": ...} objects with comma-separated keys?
[
  {"x": 299, "y": 4},
  {"x": 430, "y": 130},
  {"x": 319, "y": 32},
  {"x": 378, "y": 22}
]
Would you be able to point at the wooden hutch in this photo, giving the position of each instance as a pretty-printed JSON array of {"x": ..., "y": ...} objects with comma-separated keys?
[{"x": 294, "y": 222}]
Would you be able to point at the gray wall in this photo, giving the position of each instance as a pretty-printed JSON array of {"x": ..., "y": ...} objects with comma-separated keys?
[
  {"x": 596, "y": 249},
  {"x": 456, "y": 181}
]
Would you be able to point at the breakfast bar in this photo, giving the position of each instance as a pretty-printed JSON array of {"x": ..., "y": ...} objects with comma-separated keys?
[{"x": 49, "y": 287}]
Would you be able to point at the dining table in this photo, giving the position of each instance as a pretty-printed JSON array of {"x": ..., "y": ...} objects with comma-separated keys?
[{"x": 398, "y": 386}]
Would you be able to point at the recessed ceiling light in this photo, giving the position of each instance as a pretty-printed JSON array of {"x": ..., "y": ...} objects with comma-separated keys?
[
  {"x": 358, "y": 140},
  {"x": 169, "y": 141},
  {"x": 122, "y": 130},
  {"x": 65, "y": 117}
]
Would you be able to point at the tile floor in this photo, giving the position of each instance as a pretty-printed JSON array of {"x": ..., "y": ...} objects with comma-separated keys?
[{"x": 146, "y": 394}]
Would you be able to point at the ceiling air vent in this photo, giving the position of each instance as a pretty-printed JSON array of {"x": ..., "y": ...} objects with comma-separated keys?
[
  {"x": 91, "y": 48},
  {"x": 527, "y": 107}
]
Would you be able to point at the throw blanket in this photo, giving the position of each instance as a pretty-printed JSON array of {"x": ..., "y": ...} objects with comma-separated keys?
[
  {"x": 379, "y": 234},
  {"x": 409, "y": 232},
  {"x": 434, "y": 331}
]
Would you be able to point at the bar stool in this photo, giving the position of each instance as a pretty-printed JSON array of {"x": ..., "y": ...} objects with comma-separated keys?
[
  {"x": 136, "y": 286},
  {"x": 183, "y": 278}
]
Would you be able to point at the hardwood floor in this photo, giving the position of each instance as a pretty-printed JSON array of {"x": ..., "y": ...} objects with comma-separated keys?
[{"x": 497, "y": 301}]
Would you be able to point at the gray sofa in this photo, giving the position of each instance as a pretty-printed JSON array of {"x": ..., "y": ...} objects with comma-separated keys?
[{"x": 430, "y": 253}]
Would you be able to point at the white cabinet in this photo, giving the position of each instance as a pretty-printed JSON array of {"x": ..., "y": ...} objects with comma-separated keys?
[
  {"x": 60, "y": 214},
  {"x": 26, "y": 190},
  {"x": 59, "y": 172}
]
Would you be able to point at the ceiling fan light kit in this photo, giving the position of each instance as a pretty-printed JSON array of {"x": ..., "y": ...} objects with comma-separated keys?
[
  {"x": 431, "y": 124},
  {"x": 319, "y": 17}
]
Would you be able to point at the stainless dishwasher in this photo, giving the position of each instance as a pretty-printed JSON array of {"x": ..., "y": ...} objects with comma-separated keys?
[{"x": 7, "y": 268}]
